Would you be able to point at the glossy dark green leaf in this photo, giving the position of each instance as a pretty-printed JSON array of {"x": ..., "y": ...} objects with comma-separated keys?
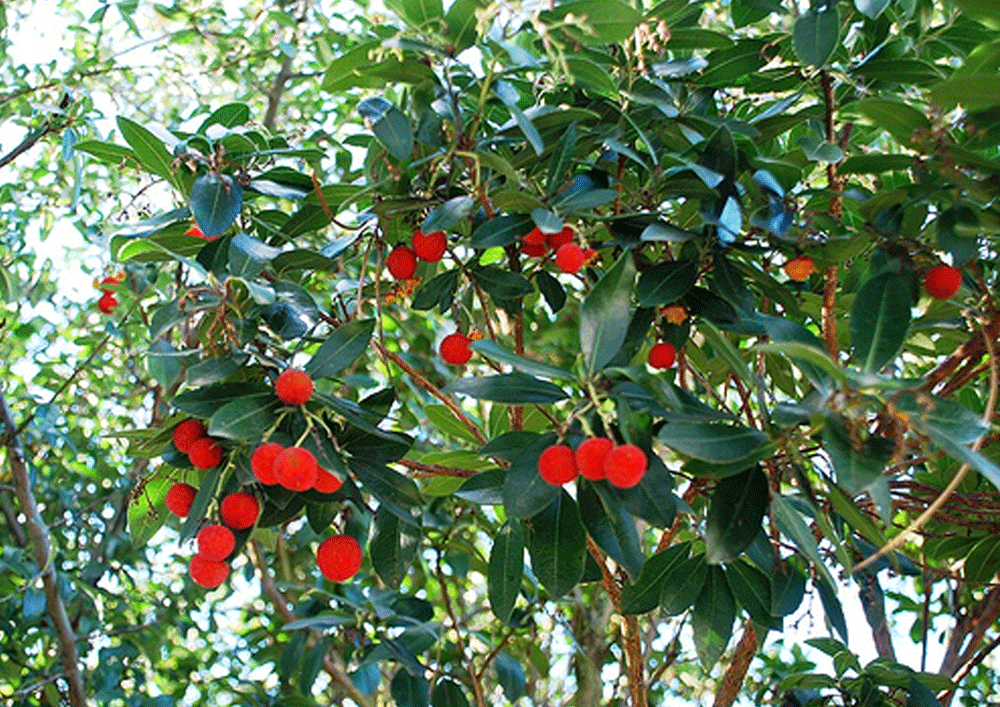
[
  {"x": 752, "y": 589},
  {"x": 493, "y": 350},
  {"x": 151, "y": 152},
  {"x": 611, "y": 527},
  {"x": 557, "y": 544},
  {"x": 682, "y": 583},
  {"x": 502, "y": 284},
  {"x": 320, "y": 516},
  {"x": 597, "y": 21},
  {"x": 957, "y": 230},
  {"x": 447, "y": 693},
  {"x": 248, "y": 256},
  {"x": 552, "y": 290},
  {"x": 461, "y": 21},
  {"x": 392, "y": 547},
  {"x": 794, "y": 527},
  {"x": 312, "y": 664},
  {"x": 501, "y": 231},
  {"x": 857, "y": 468},
  {"x": 816, "y": 34},
  {"x": 199, "y": 507},
  {"x": 512, "y": 388},
  {"x": 920, "y": 695},
  {"x": 832, "y": 607},
  {"x": 605, "y": 313},
  {"x": 202, "y": 402},
  {"x": 710, "y": 442},
  {"x": 880, "y": 320},
  {"x": 230, "y": 115},
  {"x": 417, "y": 12},
  {"x": 525, "y": 492},
  {"x": 561, "y": 159},
  {"x": 438, "y": 292},
  {"x": 712, "y": 618},
  {"x": 165, "y": 363},
  {"x": 666, "y": 282},
  {"x": 216, "y": 201},
  {"x": 643, "y": 595},
  {"x": 735, "y": 515},
  {"x": 341, "y": 349},
  {"x": 449, "y": 214},
  {"x": 871, "y": 8},
  {"x": 410, "y": 690},
  {"x": 106, "y": 151},
  {"x": 390, "y": 125},
  {"x": 243, "y": 419},
  {"x": 396, "y": 492},
  {"x": 506, "y": 569},
  {"x": 510, "y": 676},
  {"x": 652, "y": 499}
]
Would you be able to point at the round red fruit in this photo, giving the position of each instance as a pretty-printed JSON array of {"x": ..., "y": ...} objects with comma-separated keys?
[
  {"x": 239, "y": 510},
  {"x": 207, "y": 573},
  {"x": 179, "y": 499},
  {"x": 294, "y": 387},
  {"x": 556, "y": 465},
  {"x": 625, "y": 465},
  {"x": 187, "y": 433},
  {"x": 339, "y": 558},
  {"x": 262, "y": 462},
  {"x": 942, "y": 281},
  {"x": 662, "y": 355},
  {"x": 558, "y": 240},
  {"x": 569, "y": 258},
  {"x": 107, "y": 303},
  {"x": 402, "y": 262},
  {"x": 534, "y": 250},
  {"x": 327, "y": 482},
  {"x": 296, "y": 469},
  {"x": 205, "y": 453},
  {"x": 455, "y": 349},
  {"x": 589, "y": 457},
  {"x": 535, "y": 237},
  {"x": 215, "y": 542},
  {"x": 429, "y": 247}
]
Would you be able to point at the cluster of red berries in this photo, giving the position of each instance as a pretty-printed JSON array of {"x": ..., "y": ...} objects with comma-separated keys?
[
  {"x": 191, "y": 438},
  {"x": 594, "y": 459},
  {"x": 294, "y": 468},
  {"x": 570, "y": 257},
  {"x": 429, "y": 247},
  {"x": 108, "y": 302}
]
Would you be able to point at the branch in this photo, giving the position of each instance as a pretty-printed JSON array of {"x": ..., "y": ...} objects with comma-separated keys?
[
  {"x": 34, "y": 136},
  {"x": 39, "y": 534},
  {"x": 736, "y": 673}
]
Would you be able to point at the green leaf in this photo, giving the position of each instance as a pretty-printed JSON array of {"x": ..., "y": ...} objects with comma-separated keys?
[
  {"x": 551, "y": 289},
  {"x": 493, "y": 350},
  {"x": 392, "y": 547},
  {"x": 202, "y": 402},
  {"x": 712, "y": 618},
  {"x": 871, "y": 8},
  {"x": 880, "y": 320},
  {"x": 666, "y": 282},
  {"x": 752, "y": 589},
  {"x": 461, "y": 21},
  {"x": 715, "y": 443},
  {"x": 390, "y": 125},
  {"x": 506, "y": 569},
  {"x": 215, "y": 202},
  {"x": 230, "y": 115},
  {"x": 248, "y": 256},
  {"x": 148, "y": 510},
  {"x": 682, "y": 584},
  {"x": 511, "y": 388},
  {"x": 502, "y": 285},
  {"x": 438, "y": 292},
  {"x": 972, "y": 91},
  {"x": 510, "y": 676},
  {"x": 106, "y": 151},
  {"x": 397, "y": 492},
  {"x": 150, "y": 151},
  {"x": 449, "y": 214},
  {"x": 920, "y": 695},
  {"x": 792, "y": 525},
  {"x": 243, "y": 419},
  {"x": 199, "y": 507},
  {"x": 643, "y": 595},
  {"x": 611, "y": 527},
  {"x": 560, "y": 160},
  {"x": 409, "y": 690},
  {"x": 501, "y": 231},
  {"x": 815, "y": 36},
  {"x": 899, "y": 119},
  {"x": 605, "y": 314},
  {"x": 447, "y": 693},
  {"x": 652, "y": 499},
  {"x": 857, "y": 469},
  {"x": 597, "y": 21},
  {"x": 417, "y": 12},
  {"x": 735, "y": 515},
  {"x": 341, "y": 349},
  {"x": 525, "y": 492},
  {"x": 557, "y": 543}
]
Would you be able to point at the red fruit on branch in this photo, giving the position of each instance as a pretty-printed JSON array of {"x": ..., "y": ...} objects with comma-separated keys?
[
  {"x": 589, "y": 457},
  {"x": 942, "y": 281},
  {"x": 215, "y": 542},
  {"x": 662, "y": 355},
  {"x": 239, "y": 510},
  {"x": 107, "y": 303},
  {"x": 799, "y": 269},
  {"x": 429, "y": 247},
  {"x": 570, "y": 258},
  {"x": 205, "y": 453},
  {"x": 327, "y": 482},
  {"x": 556, "y": 465},
  {"x": 454, "y": 349},
  {"x": 294, "y": 387},
  {"x": 207, "y": 573},
  {"x": 556, "y": 241},
  {"x": 401, "y": 262},
  {"x": 179, "y": 499},
  {"x": 625, "y": 465},
  {"x": 339, "y": 558},
  {"x": 262, "y": 462},
  {"x": 187, "y": 433},
  {"x": 296, "y": 469},
  {"x": 535, "y": 237},
  {"x": 534, "y": 250}
]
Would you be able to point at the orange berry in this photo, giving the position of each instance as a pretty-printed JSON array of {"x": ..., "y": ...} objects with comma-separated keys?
[
  {"x": 662, "y": 355},
  {"x": 942, "y": 281},
  {"x": 556, "y": 465},
  {"x": 429, "y": 247},
  {"x": 339, "y": 558},
  {"x": 215, "y": 542},
  {"x": 293, "y": 387},
  {"x": 296, "y": 469},
  {"x": 239, "y": 510},
  {"x": 327, "y": 482},
  {"x": 107, "y": 303},
  {"x": 799, "y": 269},
  {"x": 262, "y": 462},
  {"x": 205, "y": 453},
  {"x": 674, "y": 313},
  {"x": 570, "y": 258},
  {"x": 179, "y": 499},
  {"x": 589, "y": 457},
  {"x": 454, "y": 349},
  {"x": 625, "y": 465},
  {"x": 535, "y": 237},
  {"x": 187, "y": 433},
  {"x": 402, "y": 262},
  {"x": 207, "y": 573}
]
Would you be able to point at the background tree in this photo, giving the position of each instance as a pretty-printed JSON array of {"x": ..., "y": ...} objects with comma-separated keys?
[{"x": 767, "y": 188}]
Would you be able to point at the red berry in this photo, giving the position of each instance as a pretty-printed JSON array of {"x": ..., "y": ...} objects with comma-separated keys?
[
  {"x": 196, "y": 231},
  {"x": 625, "y": 465},
  {"x": 942, "y": 281},
  {"x": 534, "y": 250},
  {"x": 110, "y": 281},
  {"x": 187, "y": 433},
  {"x": 295, "y": 469},
  {"x": 339, "y": 558},
  {"x": 107, "y": 303},
  {"x": 589, "y": 457},
  {"x": 294, "y": 387},
  {"x": 558, "y": 240},
  {"x": 215, "y": 542},
  {"x": 205, "y": 453},
  {"x": 570, "y": 258},
  {"x": 662, "y": 355},
  {"x": 179, "y": 499},
  {"x": 239, "y": 510},
  {"x": 535, "y": 237},
  {"x": 207, "y": 573},
  {"x": 799, "y": 269},
  {"x": 327, "y": 482},
  {"x": 556, "y": 465},
  {"x": 262, "y": 462},
  {"x": 429, "y": 247},
  {"x": 455, "y": 349},
  {"x": 402, "y": 262}
]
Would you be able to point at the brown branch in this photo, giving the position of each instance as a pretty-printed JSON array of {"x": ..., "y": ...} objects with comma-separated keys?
[
  {"x": 39, "y": 535},
  {"x": 833, "y": 180},
  {"x": 829, "y": 312},
  {"x": 736, "y": 673},
  {"x": 277, "y": 91},
  {"x": 435, "y": 469}
]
